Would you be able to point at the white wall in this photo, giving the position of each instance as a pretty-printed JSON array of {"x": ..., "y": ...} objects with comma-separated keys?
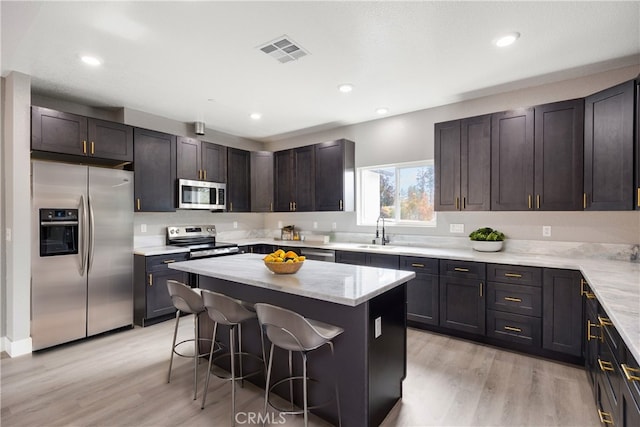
[{"x": 409, "y": 137}]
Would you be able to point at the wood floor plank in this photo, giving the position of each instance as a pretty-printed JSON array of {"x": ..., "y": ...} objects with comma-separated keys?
[{"x": 119, "y": 380}]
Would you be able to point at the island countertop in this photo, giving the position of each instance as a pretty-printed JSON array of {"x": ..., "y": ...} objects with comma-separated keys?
[{"x": 339, "y": 283}]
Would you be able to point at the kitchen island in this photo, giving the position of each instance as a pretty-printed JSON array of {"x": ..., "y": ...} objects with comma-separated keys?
[{"x": 368, "y": 303}]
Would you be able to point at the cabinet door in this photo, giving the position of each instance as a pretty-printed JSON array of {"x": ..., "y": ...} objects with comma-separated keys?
[
  {"x": 158, "y": 300},
  {"x": 283, "y": 180},
  {"x": 58, "y": 132},
  {"x": 238, "y": 180},
  {"x": 608, "y": 148},
  {"x": 559, "y": 145},
  {"x": 188, "y": 164},
  {"x": 304, "y": 179},
  {"x": 475, "y": 166},
  {"x": 214, "y": 162},
  {"x": 637, "y": 195},
  {"x": 447, "y": 166},
  {"x": 512, "y": 160},
  {"x": 334, "y": 185},
  {"x": 354, "y": 258},
  {"x": 109, "y": 140},
  {"x": 629, "y": 408},
  {"x": 383, "y": 261},
  {"x": 261, "y": 181},
  {"x": 155, "y": 171},
  {"x": 462, "y": 304},
  {"x": 592, "y": 334},
  {"x": 561, "y": 311},
  {"x": 422, "y": 299}
]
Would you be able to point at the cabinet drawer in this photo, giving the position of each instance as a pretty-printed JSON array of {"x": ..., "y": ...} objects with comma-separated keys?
[
  {"x": 514, "y": 327},
  {"x": 347, "y": 257},
  {"x": 531, "y": 276},
  {"x": 631, "y": 374},
  {"x": 419, "y": 264},
  {"x": 160, "y": 262},
  {"x": 518, "y": 299},
  {"x": 610, "y": 334},
  {"x": 466, "y": 269}
]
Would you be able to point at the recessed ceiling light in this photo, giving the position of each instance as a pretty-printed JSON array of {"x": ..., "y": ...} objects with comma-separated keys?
[
  {"x": 90, "y": 60},
  {"x": 382, "y": 110},
  {"x": 256, "y": 116},
  {"x": 345, "y": 87},
  {"x": 507, "y": 39}
]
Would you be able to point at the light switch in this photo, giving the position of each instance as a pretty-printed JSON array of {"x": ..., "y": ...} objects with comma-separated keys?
[
  {"x": 235, "y": 224},
  {"x": 279, "y": 224},
  {"x": 8, "y": 235},
  {"x": 546, "y": 231},
  {"x": 378, "y": 327},
  {"x": 315, "y": 224},
  {"x": 456, "y": 228},
  {"x": 143, "y": 228},
  {"x": 334, "y": 225}
]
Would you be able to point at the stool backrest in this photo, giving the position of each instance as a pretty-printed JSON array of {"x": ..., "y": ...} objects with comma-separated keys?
[
  {"x": 288, "y": 329},
  {"x": 224, "y": 309},
  {"x": 184, "y": 298}
]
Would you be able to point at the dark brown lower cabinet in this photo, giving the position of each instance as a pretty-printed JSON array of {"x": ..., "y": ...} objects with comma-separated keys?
[
  {"x": 515, "y": 328},
  {"x": 562, "y": 311},
  {"x": 462, "y": 304},
  {"x": 423, "y": 304},
  {"x": 370, "y": 259}
]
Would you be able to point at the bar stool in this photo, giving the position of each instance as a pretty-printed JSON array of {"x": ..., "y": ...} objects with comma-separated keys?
[
  {"x": 187, "y": 300},
  {"x": 291, "y": 331},
  {"x": 232, "y": 313}
]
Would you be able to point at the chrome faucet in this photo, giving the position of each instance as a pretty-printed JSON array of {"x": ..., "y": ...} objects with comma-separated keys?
[
  {"x": 384, "y": 239},
  {"x": 634, "y": 253}
]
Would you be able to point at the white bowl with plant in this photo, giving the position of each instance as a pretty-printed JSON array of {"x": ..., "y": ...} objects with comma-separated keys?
[{"x": 486, "y": 239}]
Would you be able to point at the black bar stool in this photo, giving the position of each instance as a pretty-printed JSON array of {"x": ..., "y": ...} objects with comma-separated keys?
[
  {"x": 232, "y": 313},
  {"x": 291, "y": 331},
  {"x": 187, "y": 300}
]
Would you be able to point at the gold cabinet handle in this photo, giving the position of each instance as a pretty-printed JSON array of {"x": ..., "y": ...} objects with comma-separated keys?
[
  {"x": 584, "y": 200},
  {"x": 512, "y": 329},
  {"x": 512, "y": 299},
  {"x": 84, "y": 147},
  {"x": 138, "y": 203},
  {"x": 271, "y": 206},
  {"x": 605, "y": 417},
  {"x": 295, "y": 208},
  {"x": 92, "y": 148},
  {"x": 604, "y": 321},
  {"x": 200, "y": 174},
  {"x": 605, "y": 366},
  {"x": 628, "y": 372},
  {"x": 591, "y": 336},
  {"x": 638, "y": 198},
  {"x": 481, "y": 286},
  {"x": 537, "y": 201},
  {"x": 415, "y": 264},
  {"x": 169, "y": 261},
  {"x": 341, "y": 206},
  {"x": 529, "y": 201},
  {"x": 464, "y": 270},
  {"x": 290, "y": 206},
  {"x": 464, "y": 203},
  {"x": 457, "y": 203},
  {"x": 516, "y": 275},
  {"x": 150, "y": 279},
  {"x": 230, "y": 206},
  {"x": 582, "y": 283},
  {"x": 204, "y": 174}
]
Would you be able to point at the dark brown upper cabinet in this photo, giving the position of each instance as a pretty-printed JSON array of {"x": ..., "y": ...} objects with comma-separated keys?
[
  {"x": 512, "y": 148},
  {"x": 238, "y": 180},
  {"x": 335, "y": 176},
  {"x": 637, "y": 186},
  {"x": 294, "y": 176},
  {"x": 608, "y": 149},
  {"x": 155, "y": 171},
  {"x": 261, "y": 166},
  {"x": 65, "y": 133},
  {"x": 200, "y": 160},
  {"x": 463, "y": 164},
  {"x": 558, "y": 164}
]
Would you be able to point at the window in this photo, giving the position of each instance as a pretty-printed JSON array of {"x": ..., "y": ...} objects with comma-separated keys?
[{"x": 401, "y": 193}]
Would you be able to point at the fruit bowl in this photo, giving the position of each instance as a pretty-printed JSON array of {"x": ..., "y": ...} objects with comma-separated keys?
[{"x": 284, "y": 267}]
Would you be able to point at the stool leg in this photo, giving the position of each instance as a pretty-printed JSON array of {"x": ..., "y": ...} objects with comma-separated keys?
[
  {"x": 206, "y": 384},
  {"x": 291, "y": 380},
  {"x": 196, "y": 355},
  {"x": 304, "y": 390},
  {"x": 173, "y": 345},
  {"x": 266, "y": 386},
  {"x": 335, "y": 379},
  {"x": 240, "y": 353},
  {"x": 233, "y": 373}
]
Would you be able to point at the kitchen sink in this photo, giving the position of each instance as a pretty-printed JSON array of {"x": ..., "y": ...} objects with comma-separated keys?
[{"x": 375, "y": 246}]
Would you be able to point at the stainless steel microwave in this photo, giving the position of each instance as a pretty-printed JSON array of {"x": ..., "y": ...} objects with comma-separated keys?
[{"x": 201, "y": 195}]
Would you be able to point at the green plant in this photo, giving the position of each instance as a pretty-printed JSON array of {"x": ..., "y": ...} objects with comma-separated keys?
[{"x": 487, "y": 234}]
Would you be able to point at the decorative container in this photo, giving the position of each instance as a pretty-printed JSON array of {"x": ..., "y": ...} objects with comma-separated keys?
[
  {"x": 284, "y": 267},
  {"x": 486, "y": 245}
]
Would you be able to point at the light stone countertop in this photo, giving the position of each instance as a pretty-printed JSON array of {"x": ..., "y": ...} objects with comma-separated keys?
[
  {"x": 159, "y": 250},
  {"x": 342, "y": 283},
  {"x": 615, "y": 283}
]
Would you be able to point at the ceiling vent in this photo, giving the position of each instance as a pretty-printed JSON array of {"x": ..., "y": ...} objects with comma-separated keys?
[{"x": 284, "y": 49}]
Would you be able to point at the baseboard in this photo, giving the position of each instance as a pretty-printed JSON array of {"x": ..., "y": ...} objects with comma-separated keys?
[{"x": 16, "y": 348}]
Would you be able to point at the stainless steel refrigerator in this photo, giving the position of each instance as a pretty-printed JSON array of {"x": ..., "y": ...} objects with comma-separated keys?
[{"x": 81, "y": 251}]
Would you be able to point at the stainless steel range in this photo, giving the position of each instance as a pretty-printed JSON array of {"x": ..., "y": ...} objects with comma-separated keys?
[{"x": 201, "y": 241}]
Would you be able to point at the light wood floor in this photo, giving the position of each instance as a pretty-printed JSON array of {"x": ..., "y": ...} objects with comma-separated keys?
[{"x": 119, "y": 379}]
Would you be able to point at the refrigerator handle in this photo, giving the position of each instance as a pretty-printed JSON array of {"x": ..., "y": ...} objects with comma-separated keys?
[
  {"x": 91, "y": 235},
  {"x": 83, "y": 252}
]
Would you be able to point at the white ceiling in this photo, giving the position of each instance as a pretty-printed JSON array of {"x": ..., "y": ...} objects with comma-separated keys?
[{"x": 198, "y": 61}]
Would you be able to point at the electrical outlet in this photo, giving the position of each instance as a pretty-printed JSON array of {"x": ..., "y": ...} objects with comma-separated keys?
[
  {"x": 334, "y": 225},
  {"x": 378, "y": 327},
  {"x": 456, "y": 228},
  {"x": 8, "y": 234},
  {"x": 143, "y": 228},
  {"x": 546, "y": 231},
  {"x": 235, "y": 224},
  {"x": 279, "y": 224},
  {"x": 315, "y": 225}
]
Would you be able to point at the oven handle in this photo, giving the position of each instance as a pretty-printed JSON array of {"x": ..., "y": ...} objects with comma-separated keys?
[
  {"x": 56, "y": 223},
  {"x": 92, "y": 228},
  {"x": 83, "y": 252}
]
